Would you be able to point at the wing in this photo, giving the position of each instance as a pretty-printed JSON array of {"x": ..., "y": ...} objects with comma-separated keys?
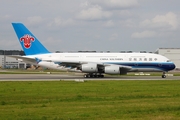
[
  {"x": 24, "y": 58},
  {"x": 101, "y": 67}
]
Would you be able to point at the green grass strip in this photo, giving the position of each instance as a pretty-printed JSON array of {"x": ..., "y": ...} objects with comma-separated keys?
[{"x": 92, "y": 100}]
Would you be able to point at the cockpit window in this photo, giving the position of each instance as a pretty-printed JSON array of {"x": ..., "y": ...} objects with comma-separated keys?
[{"x": 168, "y": 60}]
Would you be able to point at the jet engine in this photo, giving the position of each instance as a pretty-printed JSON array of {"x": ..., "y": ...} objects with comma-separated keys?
[
  {"x": 114, "y": 69},
  {"x": 89, "y": 68}
]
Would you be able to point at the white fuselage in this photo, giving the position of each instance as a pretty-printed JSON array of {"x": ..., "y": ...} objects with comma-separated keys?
[{"x": 138, "y": 61}]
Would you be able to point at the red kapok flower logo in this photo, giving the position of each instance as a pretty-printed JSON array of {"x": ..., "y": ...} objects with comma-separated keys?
[{"x": 27, "y": 40}]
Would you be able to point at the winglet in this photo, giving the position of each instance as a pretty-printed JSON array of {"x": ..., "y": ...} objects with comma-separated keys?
[{"x": 30, "y": 44}]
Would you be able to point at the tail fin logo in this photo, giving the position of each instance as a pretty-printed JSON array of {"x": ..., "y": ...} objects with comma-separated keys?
[{"x": 28, "y": 39}]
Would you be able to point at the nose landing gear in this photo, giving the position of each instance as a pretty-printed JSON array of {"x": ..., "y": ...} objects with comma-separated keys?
[{"x": 164, "y": 75}]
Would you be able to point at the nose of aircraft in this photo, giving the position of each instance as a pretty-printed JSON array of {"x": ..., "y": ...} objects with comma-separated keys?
[{"x": 173, "y": 66}]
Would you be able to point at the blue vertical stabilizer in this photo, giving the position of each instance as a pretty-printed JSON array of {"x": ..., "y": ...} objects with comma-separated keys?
[{"x": 30, "y": 44}]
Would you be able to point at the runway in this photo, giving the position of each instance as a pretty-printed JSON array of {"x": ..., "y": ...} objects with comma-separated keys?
[{"x": 57, "y": 77}]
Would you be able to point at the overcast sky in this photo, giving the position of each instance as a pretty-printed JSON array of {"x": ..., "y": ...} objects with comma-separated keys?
[{"x": 100, "y": 25}]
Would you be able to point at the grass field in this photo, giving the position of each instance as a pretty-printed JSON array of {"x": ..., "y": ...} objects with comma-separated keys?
[{"x": 92, "y": 100}]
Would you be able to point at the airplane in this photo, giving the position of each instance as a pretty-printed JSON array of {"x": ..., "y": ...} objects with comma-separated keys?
[{"x": 91, "y": 64}]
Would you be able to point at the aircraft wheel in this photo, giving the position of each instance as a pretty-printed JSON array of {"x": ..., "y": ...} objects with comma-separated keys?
[
  {"x": 85, "y": 76},
  {"x": 163, "y": 76}
]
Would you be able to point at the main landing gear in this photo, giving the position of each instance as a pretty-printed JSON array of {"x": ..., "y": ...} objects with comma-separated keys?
[
  {"x": 164, "y": 75},
  {"x": 93, "y": 76}
]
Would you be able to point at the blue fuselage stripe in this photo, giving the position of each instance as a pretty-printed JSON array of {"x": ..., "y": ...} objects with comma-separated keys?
[{"x": 165, "y": 66}]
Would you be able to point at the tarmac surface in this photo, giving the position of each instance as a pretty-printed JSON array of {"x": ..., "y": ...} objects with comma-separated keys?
[{"x": 57, "y": 77}]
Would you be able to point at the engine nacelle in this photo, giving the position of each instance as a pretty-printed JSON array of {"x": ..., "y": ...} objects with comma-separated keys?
[
  {"x": 112, "y": 69},
  {"x": 89, "y": 68}
]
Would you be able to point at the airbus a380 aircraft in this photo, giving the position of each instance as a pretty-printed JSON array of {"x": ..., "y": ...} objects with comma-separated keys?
[{"x": 92, "y": 64}]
